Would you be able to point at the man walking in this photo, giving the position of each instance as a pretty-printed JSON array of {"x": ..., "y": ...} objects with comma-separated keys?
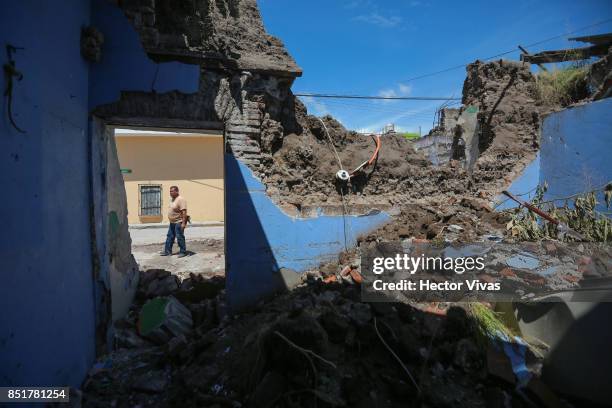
[{"x": 177, "y": 215}]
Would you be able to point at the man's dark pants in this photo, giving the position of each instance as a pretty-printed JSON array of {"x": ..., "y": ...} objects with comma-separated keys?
[{"x": 175, "y": 230}]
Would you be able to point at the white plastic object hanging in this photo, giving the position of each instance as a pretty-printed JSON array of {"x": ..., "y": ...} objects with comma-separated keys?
[{"x": 343, "y": 175}]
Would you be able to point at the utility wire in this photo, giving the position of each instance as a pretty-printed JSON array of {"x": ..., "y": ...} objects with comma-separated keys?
[
  {"x": 398, "y": 98},
  {"x": 426, "y": 98},
  {"x": 509, "y": 51}
]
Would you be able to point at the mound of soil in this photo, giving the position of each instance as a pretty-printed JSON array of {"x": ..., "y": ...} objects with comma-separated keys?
[{"x": 300, "y": 166}]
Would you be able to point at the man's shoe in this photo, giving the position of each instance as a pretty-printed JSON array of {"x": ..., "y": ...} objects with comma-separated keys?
[
  {"x": 182, "y": 255},
  {"x": 162, "y": 253}
]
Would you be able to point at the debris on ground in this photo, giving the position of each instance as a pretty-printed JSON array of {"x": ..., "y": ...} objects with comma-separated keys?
[{"x": 317, "y": 345}]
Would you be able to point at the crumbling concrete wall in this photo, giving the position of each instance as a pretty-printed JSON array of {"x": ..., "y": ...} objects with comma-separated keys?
[
  {"x": 124, "y": 65},
  {"x": 436, "y": 147},
  {"x": 466, "y": 137},
  {"x": 267, "y": 248},
  {"x": 123, "y": 269},
  {"x": 574, "y": 155}
]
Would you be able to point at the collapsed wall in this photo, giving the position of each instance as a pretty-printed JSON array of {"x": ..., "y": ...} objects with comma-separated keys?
[{"x": 300, "y": 164}]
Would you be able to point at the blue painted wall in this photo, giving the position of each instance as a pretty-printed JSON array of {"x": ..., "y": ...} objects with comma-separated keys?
[
  {"x": 261, "y": 239},
  {"x": 576, "y": 149},
  {"x": 524, "y": 187},
  {"x": 575, "y": 155},
  {"x": 124, "y": 65},
  {"x": 46, "y": 295}
]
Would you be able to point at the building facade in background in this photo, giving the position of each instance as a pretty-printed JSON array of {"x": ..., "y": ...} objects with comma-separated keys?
[{"x": 153, "y": 161}]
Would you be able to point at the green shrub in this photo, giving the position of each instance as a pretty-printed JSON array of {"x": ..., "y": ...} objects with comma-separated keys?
[
  {"x": 410, "y": 135},
  {"x": 562, "y": 86}
]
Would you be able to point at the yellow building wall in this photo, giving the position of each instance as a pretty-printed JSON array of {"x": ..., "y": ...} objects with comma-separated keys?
[{"x": 194, "y": 164}]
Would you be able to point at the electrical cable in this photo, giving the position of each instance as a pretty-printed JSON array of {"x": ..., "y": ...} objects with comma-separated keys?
[
  {"x": 332, "y": 143},
  {"x": 344, "y": 205},
  {"x": 390, "y": 98}
]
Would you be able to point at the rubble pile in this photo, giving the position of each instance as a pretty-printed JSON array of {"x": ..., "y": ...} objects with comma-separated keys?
[
  {"x": 299, "y": 168},
  {"x": 303, "y": 169},
  {"x": 462, "y": 221},
  {"x": 318, "y": 345}
]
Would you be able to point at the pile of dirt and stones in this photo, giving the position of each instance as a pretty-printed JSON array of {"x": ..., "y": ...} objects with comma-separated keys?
[
  {"x": 299, "y": 167},
  {"x": 318, "y": 345}
]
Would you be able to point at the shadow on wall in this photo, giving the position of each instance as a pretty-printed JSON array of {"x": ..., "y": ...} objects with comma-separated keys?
[
  {"x": 251, "y": 268},
  {"x": 266, "y": 249}
]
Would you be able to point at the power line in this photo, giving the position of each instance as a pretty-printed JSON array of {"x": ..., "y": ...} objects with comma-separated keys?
[
  {"x": 397, "y": 98},
  {"x": 425, "y": 98},
  {"x": 509, "y": 51}
]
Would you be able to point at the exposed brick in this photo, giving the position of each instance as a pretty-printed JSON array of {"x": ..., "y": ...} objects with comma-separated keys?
[
  {"x": 245, "y": 148},
  {"x": 243, "y": 129},
  {"x": 246, "y": 122}
]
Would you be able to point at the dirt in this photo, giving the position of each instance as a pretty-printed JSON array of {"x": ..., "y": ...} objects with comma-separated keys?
[
  {"x": 302, "y": 171},
  {"x": 315, "y": 346},
  {"x": 462, "y": 221},
  {"x": 218, "y": 34},
  {"x": 301, "y": 165}
]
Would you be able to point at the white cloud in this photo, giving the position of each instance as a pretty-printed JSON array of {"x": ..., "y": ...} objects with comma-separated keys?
[
  {"x": 377, "y": 19},
  {"x": 314, "y": 106},
  {"x": 387, "y": 93},
  {"x": 398, "y": 90},
  {"x": 404, "y": 89}
]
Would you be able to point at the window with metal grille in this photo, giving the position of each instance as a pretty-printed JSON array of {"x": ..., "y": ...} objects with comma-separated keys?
[{"x": 150, "y": 199}]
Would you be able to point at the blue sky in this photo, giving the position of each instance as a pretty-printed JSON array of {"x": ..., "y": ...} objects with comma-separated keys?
[{"x": 373, "y": 47}]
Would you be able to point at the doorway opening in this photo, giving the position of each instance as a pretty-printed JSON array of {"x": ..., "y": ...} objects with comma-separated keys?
[{"x": 151, "y": 161}]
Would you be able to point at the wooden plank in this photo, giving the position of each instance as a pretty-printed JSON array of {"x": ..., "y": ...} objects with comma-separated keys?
[
  {"x": 594, "y": 39},
  {"x": 525, "y": 52},
  {"x": 570, "y": 54}
]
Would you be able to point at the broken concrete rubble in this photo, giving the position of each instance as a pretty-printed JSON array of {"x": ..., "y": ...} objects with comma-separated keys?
[{"x": 329, "y": 353}]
